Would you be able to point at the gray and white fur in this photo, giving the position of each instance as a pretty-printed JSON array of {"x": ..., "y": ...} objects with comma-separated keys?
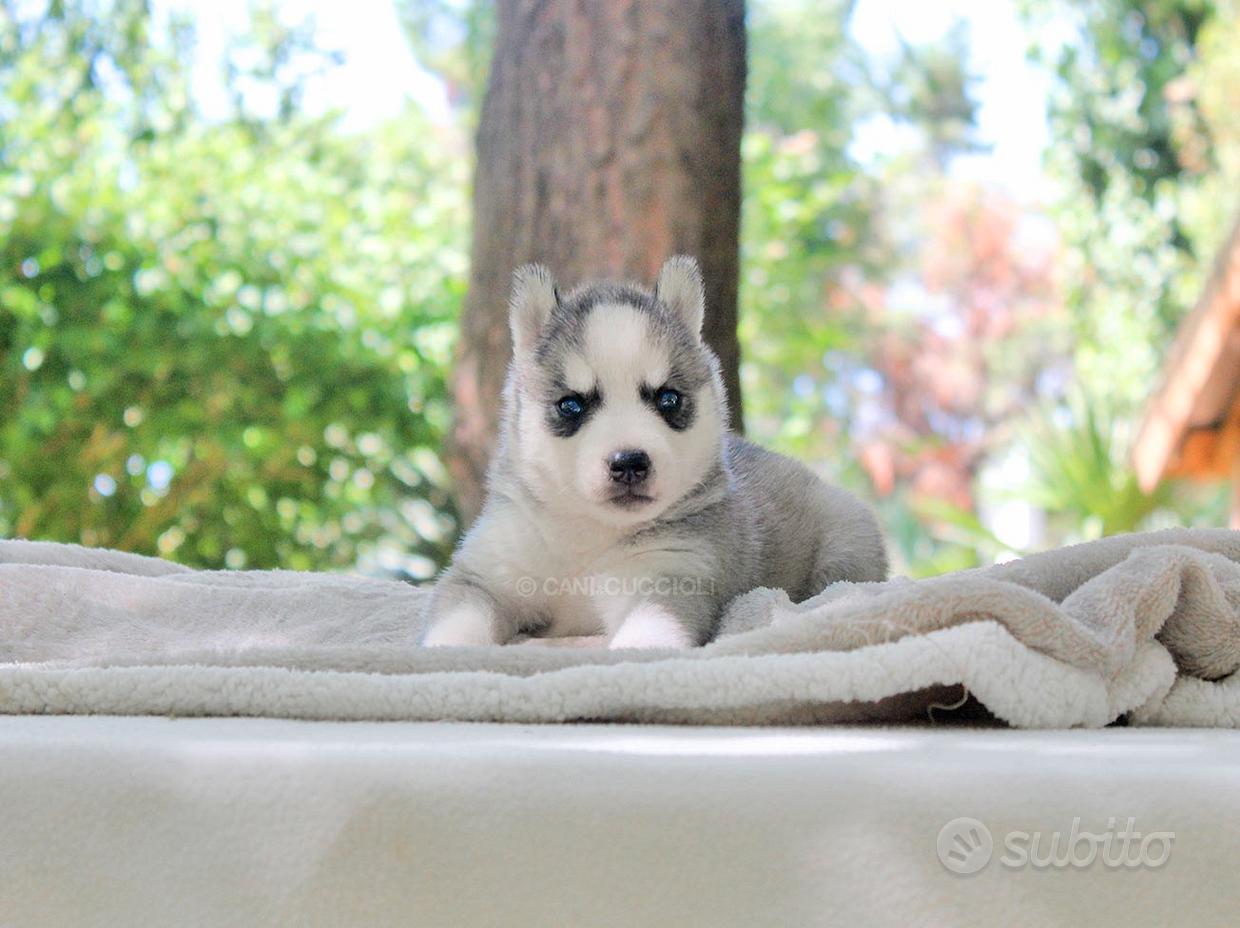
[{"x": 620, "y": 510}]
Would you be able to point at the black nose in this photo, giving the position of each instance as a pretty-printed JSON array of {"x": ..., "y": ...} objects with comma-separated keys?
[{"x": 629, "y": 466}]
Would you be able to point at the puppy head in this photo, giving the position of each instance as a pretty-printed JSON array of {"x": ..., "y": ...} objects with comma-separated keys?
[{"x": 619, "y": 404}]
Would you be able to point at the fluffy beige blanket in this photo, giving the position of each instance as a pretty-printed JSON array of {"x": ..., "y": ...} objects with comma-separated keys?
[{"x": 1142, "y": 626}]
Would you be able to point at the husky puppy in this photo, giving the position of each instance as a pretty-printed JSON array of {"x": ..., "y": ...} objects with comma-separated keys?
[{"x": 619, "y": 506}]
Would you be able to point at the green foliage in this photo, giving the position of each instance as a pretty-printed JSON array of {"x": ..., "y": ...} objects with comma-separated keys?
[
  {"x": 226, "y": 341},
  {"x": 823, "y": 235},
  {"x": 1147, "y": 153},
  {"x": 1120, "y": 113},
  {"x": 1080, "y": 472},
  {"x": 929, "y": 87},
  {"x": 221, "y": 342},
  {"x": 962, "y": 538},
  {"x": 805, "y": 218},
  {"x": 1112, "y": 112}
]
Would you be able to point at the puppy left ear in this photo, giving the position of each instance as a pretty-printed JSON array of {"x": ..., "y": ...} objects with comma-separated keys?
[{"x": 680, "y": 290}]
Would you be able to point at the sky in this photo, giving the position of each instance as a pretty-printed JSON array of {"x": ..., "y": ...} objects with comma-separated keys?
[
  {"x": 379, "y": 72},
  {"x": 1012, "y": 93},
  {"x": 377, "y": 75}
]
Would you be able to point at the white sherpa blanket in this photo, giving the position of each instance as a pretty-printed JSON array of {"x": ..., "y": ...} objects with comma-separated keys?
[{"x": 1144, "y": 626}]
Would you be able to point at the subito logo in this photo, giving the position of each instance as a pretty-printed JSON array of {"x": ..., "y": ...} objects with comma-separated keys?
[{"x": 965, "y": 846}]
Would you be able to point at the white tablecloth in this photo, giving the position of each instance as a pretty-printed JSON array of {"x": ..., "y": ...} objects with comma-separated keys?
[{"x": 216, "y": 822}]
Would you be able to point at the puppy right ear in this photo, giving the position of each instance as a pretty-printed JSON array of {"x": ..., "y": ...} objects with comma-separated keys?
[{"x": 534, "y": 296}]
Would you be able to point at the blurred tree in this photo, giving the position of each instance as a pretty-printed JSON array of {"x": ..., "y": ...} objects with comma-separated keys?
[
  {"x": 809, "y": 235},
  {"x": 1119, "y": 76},
  {"x": 1080, "y": 473},
  {"x": 893, "y": 322},
  {"x": 609, "y": 139},
  {"x": 1121, "y": 99},
  {"x": 1147, "y": 156},
  {"x": 454, "y": 39},
  {"x": 223, "y": 342},
  {"x": 965, "y": 360},
  {"x": 928, "y": 87}
]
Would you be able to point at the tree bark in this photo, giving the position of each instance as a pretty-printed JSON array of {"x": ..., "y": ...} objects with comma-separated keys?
[{"x": 609, "y": 140}]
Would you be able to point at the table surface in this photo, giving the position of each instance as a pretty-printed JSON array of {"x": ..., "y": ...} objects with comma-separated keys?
[{"x": 126, "y": 821}]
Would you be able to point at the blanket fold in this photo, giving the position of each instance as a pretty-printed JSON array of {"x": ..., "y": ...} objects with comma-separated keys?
[{"x": 1145, "y": 626}]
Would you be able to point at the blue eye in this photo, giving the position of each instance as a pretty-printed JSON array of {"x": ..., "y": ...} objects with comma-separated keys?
[
  {"x": 668, "y": 400},
  {"x": 570, "y": 407}
]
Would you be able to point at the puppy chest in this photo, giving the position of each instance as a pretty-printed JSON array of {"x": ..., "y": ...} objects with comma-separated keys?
[{"x": 575, "y": 596}]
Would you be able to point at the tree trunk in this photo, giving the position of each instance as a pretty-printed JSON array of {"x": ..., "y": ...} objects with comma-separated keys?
[{"x": 609, "y": 140}]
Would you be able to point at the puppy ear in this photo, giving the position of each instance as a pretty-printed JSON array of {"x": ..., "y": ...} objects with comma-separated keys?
[
  {"x": 534, "y": 296},
  {"x": 680, "y": 290}
]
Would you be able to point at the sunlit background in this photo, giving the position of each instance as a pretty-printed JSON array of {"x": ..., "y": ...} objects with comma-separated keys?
[{"x": 234, "y": 244}]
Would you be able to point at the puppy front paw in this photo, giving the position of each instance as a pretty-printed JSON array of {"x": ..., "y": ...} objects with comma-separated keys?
[
  {"x": 652, "y": 626},
  {"x": 462, "y": 626}
]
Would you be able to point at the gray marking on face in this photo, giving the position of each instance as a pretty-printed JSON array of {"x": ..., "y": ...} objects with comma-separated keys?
[{"x": 689, "y": 362}]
